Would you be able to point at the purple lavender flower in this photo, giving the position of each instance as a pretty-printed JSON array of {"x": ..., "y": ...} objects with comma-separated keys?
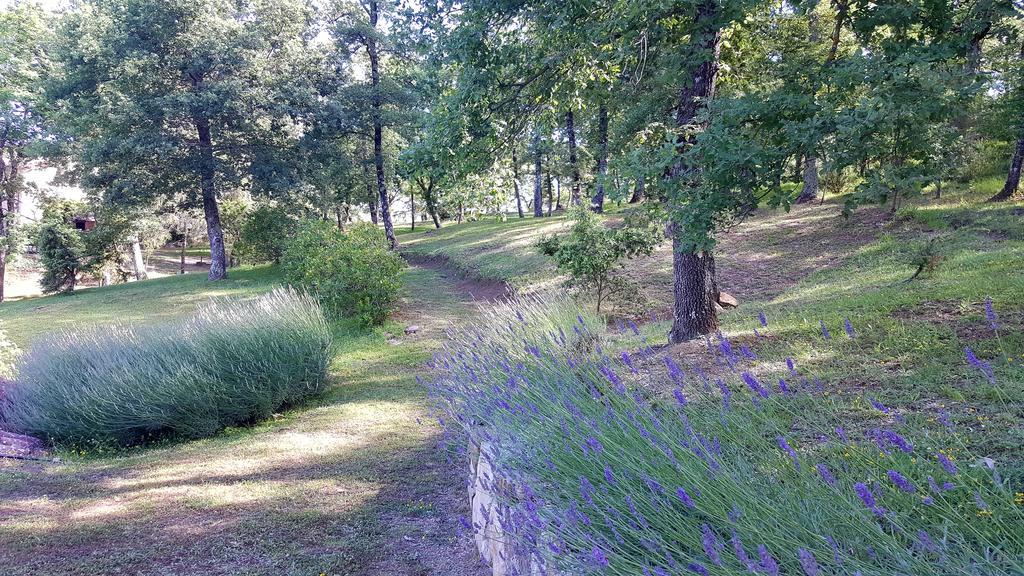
[
  {"x": 945, "y": 420},
  {"x": 990, "y": 314},
  {"x": 679, "y": 397},
  {"x": 710, "y": 544},
  {"x": 824, "y": 330},
  {"x": 901, "y": 481},
  {"x": 980, "y": 364},
  {"x": 784, "y": 388},
  {"x": 842, "y": 435},
  {"x": 947, "y": 486},
  {"x": 836, "y": 556},
  {"x": 613, "y": 378},
  {"x": 598, "y": 558},
  {"x": 879, "y": 406},
  {"x": 586, "y": 489},
  {"x": 684, "y": 497},
  {"x": 608, "y": 476},
  {"x": 628, "y": 361},
  {"x": 768, "y": 564},
  {"x": 593, "y": 444},
  {"x": 947, "y": 464},
  {"x": 933, "y": 486},
  {"x": 741, "y": 553},
  {"x": 808, "y": 562},
  {"x": 673, "y": 370},
  {"x": 747, "y": 352},
  {"x": 634, "y": 328},
  {"x": 754, "y": 385},
  {"x": 763, "y": 319},
  {"x": 788, "y": 450},
  {"x": 826, "y": 474},
  {"x": 791, "y": 366},
  {"x": 849, "y": 329},
  {"x": 898, "y": 441},
  {"x": 926, "y": 542},
  {"x": 698, "y": 569},
  {"x": 979, "y": 501},
  {"x": 726, "y": 392},
  {"x": 868, "y": 499}
]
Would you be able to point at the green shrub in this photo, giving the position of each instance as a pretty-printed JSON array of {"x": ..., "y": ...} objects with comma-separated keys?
[
  {"x": 264, "y": 235},
  {"x": 352, "y": 273},
  {"x": 232, "y": 362},
  {"x": 592, "y": 253},
  {"x": 62, "y": 254}
]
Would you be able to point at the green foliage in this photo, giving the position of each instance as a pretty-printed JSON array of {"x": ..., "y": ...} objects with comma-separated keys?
[
  {"x": 591, "y": 252},
  {"x": 352, "y": 273},
  {"x": 232, "y": 362},
  {"x": 264, "y": 235},
  {"x": 62, "y": 253}
]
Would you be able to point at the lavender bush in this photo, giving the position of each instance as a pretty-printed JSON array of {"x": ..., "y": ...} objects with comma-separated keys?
[{"x": 743, "y": 474}]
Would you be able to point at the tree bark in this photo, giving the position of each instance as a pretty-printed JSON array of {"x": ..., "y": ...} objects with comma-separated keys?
[
  {"x": 184, "y": 246},
  {"x": 412, "y": 209},
  {"x": 515, "y": 182},
  {"x": 211, "y": 211},
  {"x": 570, "y": 131},
  {"x": 138, "y": 264},
  {"x": 538, "y": 192},
  {"x": 638, "y": 191},
  {"x": 597, "y": 202},
  {"x": 428, "y": 197},
  {"x": 811, "y": 184},
  {"x": 551, "y": 196},
  {"x": 694, "y": 289},
  {"x": 1013, "y": 176},
  {"x": 378, "y": 128}
]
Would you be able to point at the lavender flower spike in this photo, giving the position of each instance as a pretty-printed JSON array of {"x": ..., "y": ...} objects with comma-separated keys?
[
  {"x": 849, "y": 329},
  {"x": 947, "y": 464},
  {"x": 763, "y": 319},
  {"x": 824, "y": 330},
  {"x": 598, "y": 558},
  {"x": 808, "y": 563},
  {"x": 768, "y": 564},
  {"x": 710, "y": 544},
  {"x": 826, "y": 474},
  {"x": 868, "y": 498},
  {"x": 684, "y": 497},
  {"x": 990, "y": 314},
  {"x": 901, "y": 481},
  {"x": 788, "y": 450}
]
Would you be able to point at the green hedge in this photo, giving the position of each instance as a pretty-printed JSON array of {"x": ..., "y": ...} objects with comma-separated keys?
[
  {"x": 352, "y": 273},
  {"x": 231, "y": 362}
]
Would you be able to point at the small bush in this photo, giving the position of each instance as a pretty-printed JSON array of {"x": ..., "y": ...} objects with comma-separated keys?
[
  {"x": 592, "y": 253},
  {"x": 352, "y": 273},
  {"x": 265, "y": 235},
  {"x": 232, "y": 362}
]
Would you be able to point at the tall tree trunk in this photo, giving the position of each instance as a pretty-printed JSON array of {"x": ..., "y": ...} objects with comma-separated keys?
[
  {"x": 695, "y": 292},
  {"x": 211, "y": 211},
  {"x": 1013, "y": 176},
  {"x": 428, "y": 197},
  {"x": 551, "y": 196},
  {"x": 7, "y": 211},
  {"x": 378, "y": 128},
  {"x": 538, "y": 199},
  {"x": 412, "y": 209},
  {"x": 181, "y": 255},
  {"x": 638, "y": 191},
  {"x": 138, "y": 264},
  {"x": 812, "y": 186},
  {"x": 597, "y": 202},
  {"x": 570, "y": 131},
  {"x": 811, "y": 183},
  {"x": 515, "y": 182},
  {"x": 558, "y": 195}
]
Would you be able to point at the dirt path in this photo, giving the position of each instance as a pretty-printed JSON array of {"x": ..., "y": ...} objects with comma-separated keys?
[{"x": 352, "y": 484}]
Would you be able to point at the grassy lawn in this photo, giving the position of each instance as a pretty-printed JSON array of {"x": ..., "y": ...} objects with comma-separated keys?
[{"x": 350, "y": 483}]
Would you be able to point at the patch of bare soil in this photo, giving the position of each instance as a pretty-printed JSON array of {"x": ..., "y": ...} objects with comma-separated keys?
[
  {"x": 476, "y": 289},
  {"x": 962, "y": 318},
  {"x": 771, "y": 251}
]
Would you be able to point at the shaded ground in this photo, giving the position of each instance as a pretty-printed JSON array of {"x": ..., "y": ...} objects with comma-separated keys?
[
  {"x": 770, "y": 251},
  {"x": 350, "y": 484}
]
